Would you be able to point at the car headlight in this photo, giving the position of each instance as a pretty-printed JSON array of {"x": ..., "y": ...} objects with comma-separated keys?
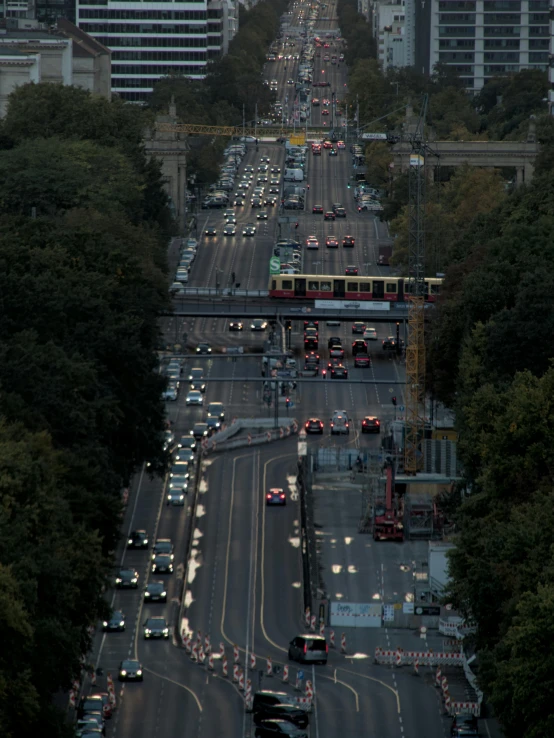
[
  {"x": 164, "y": 594},
  {"x": 118, "y": 580},
  {"x": 147, "y": 594},
  {"x": 130, "y": 541},
  {"x": 105, "y": 624},
  {"x": 139, "y": 672},
  {"x": 181, "y": 497},
  {"x": 166, "y": 630},
  {"x": 123, "y": 672},
  {"x": 134, "y": 580},
  {"x": 147, "y": 631},
  {"x": 122, "y": 623},
  {"x": 153, "y": 567},
  {"x": 145, "y": 542}
]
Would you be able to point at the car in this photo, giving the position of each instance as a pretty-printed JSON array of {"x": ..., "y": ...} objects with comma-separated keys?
[
  {"x": 331, "y": 242},
  {"x": 348, "y": 242},
  {"x": 358, "y": 327},
  {"x": 261, "y": 180},
  {"x": 370, "y": 334},
  {"x": 249, "y": 230},
  {"x": 311, "y": 366},
  {"x": 191, "y": 243},
  {"x": 332, "y": 152},
  {"x": 175, "y": 497},
  {"x": 371, "y": 424},
  {"x": 275, "y": 496},
  {"x": 155, "y": 628},
  {"x": 258, "y": 324},
  {"x": 312, "y": 242},
  {"x": 127, "y": 579},
  {"x": 351, "y": 271},
  {"x": 316, "y": 149},
  {"x": 263, "y": 168},
  {"x": 229, "y": 214},
  {"x": 362, "y": 361},
  {"x": 155, "y": 592},
  {"x": 339, "y": 372},
  {"x": 169, "y": 439},
  {"x": 200, "y": 431},
  {"x": 278, "y": 727},
  {"x": 334, "y": 341},
  {"x": 187, "y": 455},
  {"x": 329, "y": 215},
  {"x": 214, "y": 424},
  {"x": 274, "y": 190},
  {"x": 137, "y": 539},
  {"x": 162, "y": 564},
  {"x": 236, "y": 325},
  {"x": 271, "y": 201},
  {"x": 292, "y": 713},
  {"x": 238, "y": 202},
  {"x": 389, "y": 344},
  {"x": 266, "y": 697},
  {"x": 196, "y": 373},
  {"x": 163, "y": 546},
  {"x": 340, "y": 144},
  {"x": 336, "y": 352},
  {"x": 198, "y": 384},
  {"x": 262, "y": 215},
  {"x": 359, "y": 346},
  {"x": 314, "y": 425},
  {"x": 216, "y": 410},
  {"x": 327, "y": 144},
  {"x": 91, "y": 703},
  {"x": 179, "y": 469},
  {"x": 464, "y": 725},
  {"x": 130, "y": 670},
  {"x": 194, "y": 397},
  {"x": 187, "y": 442},
  {"x": 229, "y": 230},
  {"x": 204, "y": 348},
  {"x": 275, "y": 170},
  {"x": 210, "y": 232},
  {"x": 318, "y": 209},
  {"x": 339, "y": 423},
  {"x": 309, "y": 649},
  {"x": 290, "y": 81},
  {"x": 89, "y": 726},
  {"x": 340, "y": 212},
  {"x": 116, "y": 622},
  {"x": 256, "y": 202},
  {"x": 171, "y": 392}
]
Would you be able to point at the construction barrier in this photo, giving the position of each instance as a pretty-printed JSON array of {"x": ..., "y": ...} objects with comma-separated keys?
[
  {"x": 438, "y": 677},
  {"x": 235, "y": 672},
  {"x": 194, "y": 652},
  {"x": 207, "y": 644},
  {"x": 285, "y": 673},
  {"x": 309, "y": 693},
  {"x": 343, "y": 643},
  {"x": 201, "y": 656},
  {"x": 236, "y": 654},
  {"x": 332, "y": 638},
  {"x": 307, "y": 617},
  {"x": 241, "y": 680},
  {"x": 72, "y": 698},
  {"x": 465, "y": 708},
  {"x": 222, "y": 650},
  {"x": 224, "y": 669},
  {"x": 269, "y": 667},
  {"x": 407, "y": 658},
  {"x": 210, "y": 661},
  {"x": 223, "y": 440},
  {"x": 198, "y": 637},
  {"x": 304, "y": 702},
  {"x": 252, "y": 661},
  {"x": 416, "y": 667},
  {"x": 321, "y": 628},
  {"x": 312, "y": 623},
  {"x": 248, "y": 698}
]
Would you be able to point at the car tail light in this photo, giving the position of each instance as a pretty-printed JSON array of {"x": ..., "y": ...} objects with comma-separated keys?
[
  {"x": 283, "y": 496},
  {"x": 305, "y": 648},
  {"x": 377, "y": 422},
  {"x": 326, "y": 648},
  {"x": 268, "y": 496}
]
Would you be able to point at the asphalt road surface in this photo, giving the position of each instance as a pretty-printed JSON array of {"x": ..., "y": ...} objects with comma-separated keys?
[{"x": 244, "y": 586}]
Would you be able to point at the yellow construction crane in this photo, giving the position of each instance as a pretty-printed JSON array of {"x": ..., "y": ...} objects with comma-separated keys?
[{"x": 415, "y": 349}]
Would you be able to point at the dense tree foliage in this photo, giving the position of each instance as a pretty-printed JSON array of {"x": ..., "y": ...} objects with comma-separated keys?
[
  {"x": 356, "y": 31},
  {"x": 490, "y": 359},
  {"x": 83, "y": 233}
]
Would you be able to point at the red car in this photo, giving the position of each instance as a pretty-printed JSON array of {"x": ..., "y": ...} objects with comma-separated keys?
[
  {"x": 329, "y": 215},
  {"x": 311, "y": 324},
  {"x": 324, "y": 111},
  {"x": 317, "y": 209},
  {"x": 332, "y": 243},
  {"x": 348, "y": 241},
  {"x": 327, "y": 144},
  {"x": 362, "y": 361},
  {"x": 351, "y": 271},
  {"x": 371, "y": 424}
]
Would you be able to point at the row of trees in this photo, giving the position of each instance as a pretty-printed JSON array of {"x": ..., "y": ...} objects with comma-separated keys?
[
  {"x": 356, "y": 31},
  {"x": 232, "y": 90},
  {"x": 84, "y": 224},
  {"x": 490, "y": 359}
]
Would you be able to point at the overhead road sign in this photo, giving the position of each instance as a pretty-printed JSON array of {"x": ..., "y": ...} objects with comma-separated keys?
[{"x": 374, "y": 136}]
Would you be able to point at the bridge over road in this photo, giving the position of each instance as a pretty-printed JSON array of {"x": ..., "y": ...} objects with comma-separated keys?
[{"x": 519, "y": 155}]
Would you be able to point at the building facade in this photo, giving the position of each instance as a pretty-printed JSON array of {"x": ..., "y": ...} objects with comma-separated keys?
[
  {"x": 482, "y": 39},
  {"x": 389, "y": 29},
  {"x": 148, "y": 40}
]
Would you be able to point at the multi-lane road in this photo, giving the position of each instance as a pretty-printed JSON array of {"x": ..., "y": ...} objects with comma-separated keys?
[{"x": 244, "y": 584}]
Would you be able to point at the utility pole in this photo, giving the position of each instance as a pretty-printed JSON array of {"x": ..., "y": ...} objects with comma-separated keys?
[{"x": 256, "y": 122}]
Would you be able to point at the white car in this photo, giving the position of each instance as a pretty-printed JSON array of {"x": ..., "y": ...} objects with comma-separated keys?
[
  {"x": 370, "y": 334},
  {"x": 175, "y": 497},
  {"x": 312, "y": 243},
  {"x": 182, "y": 276},
  {"x": 195, "y": 397},
  {"x": 191, "y": 243},
  {"x": 177, "y": 289},
  {"x": 171, "y": 392}
]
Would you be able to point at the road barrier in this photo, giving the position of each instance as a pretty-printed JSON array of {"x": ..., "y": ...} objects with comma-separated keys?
[{"x": 407, "y": 658}]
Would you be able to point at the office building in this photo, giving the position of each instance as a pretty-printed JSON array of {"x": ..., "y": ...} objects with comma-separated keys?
[{"x": 390, "y": 33}]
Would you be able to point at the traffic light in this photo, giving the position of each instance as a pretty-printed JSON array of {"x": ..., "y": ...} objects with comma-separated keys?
[
  {"x": 296, "y": 224},
  {"x": 287, "y": 402},
  {"x": 288, "y": 325},
  {"x": 348, "y": 185},
  {"x": 393, "y": 401}
]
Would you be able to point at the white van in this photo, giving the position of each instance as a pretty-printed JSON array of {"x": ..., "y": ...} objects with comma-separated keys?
[{"x": 293, "y": 175}]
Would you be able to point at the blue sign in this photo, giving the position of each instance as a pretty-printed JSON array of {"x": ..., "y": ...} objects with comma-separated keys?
[{"x": 300, "y": 674}]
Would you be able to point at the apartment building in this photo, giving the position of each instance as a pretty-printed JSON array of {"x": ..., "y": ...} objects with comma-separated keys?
[{"x": 389, "y": 30}]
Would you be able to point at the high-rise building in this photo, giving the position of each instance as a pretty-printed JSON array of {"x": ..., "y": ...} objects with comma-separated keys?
[
  {"x": 389, "y": 32},
  {"x": 482, "y": 39}
]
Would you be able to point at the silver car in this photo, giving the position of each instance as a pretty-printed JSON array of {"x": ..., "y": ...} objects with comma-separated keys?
[{"x": 195, "y": 397}]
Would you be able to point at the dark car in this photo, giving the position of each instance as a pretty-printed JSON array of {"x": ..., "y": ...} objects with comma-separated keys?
[
  {"x": 311, "y": 366},
  {"x": 310, "y": 342},
  {"x": 371, "y": 424},
  {"x": 107, "y": 709},
  {"x": 339, "y": 372},
  {"x": 127, "y": 579},
  {"x": 198, "y": 385},
  {"x": 266, "y": 697},
  {"x": 312, "y": 356},
  {"x": 155, "y": 592},
  {"x": 137, "y": 539},
  {"x": 314, "y": 425},
  {"x": 358, "y": 327},
  {"x": 329, "y": 215},
  {"x": 204, "y": 348},
  {"x": 336, "y": 352},
  {"x": 293, "y": 713},
  {"x": 275, "y": 727},
  {"x": 331, "y": 242},
  {"x": 250, "y": 229},
  {"x": 464, "y": 725},
  {"x": 362, "y": 361},
  {"x": 348, "y": 241},
  {"x": 187, "y": 442},
  {"x": 389, "y": 343},
  {"x": 130, "y": 670},
  {"x": 155, "y": 628},
  {"x": 200, "y": 431},
  {"x": 359, "y": 347},
  {"x": 236, "y": 325},
  {"x": 162, "y": 564},
  {"x": 317, "y": 209},
  {"x": 351, "y": 271},
  {"x": 210, "y": 232},
  {"x": 163, "y": 546},
  {"x": 275, "y": 496},
  {"x": 214, "y": 424},
  {"x": 309, "y": 649},
  {"x": 334, "y": 341},
  {"x": 339, "y": 210},
  {"x": 116, "y": 622},
  {"x": 311, "y": 324}
]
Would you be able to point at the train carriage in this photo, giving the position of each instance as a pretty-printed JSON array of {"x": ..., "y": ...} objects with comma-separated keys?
[{"x": 335, "y": 287}]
